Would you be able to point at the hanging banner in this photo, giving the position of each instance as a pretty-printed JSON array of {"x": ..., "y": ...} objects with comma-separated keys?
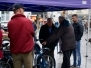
[{"x": 84, "y": 1}]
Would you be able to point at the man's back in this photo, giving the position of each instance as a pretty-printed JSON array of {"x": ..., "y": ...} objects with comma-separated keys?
[
  {"x": 68, "y": 38},
  {"x": 21, "y": 34}
]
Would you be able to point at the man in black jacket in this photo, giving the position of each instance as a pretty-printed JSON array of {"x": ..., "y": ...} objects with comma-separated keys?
[
  {"x": 78, "y": 30},
  {"x": 45, "y": 32}
]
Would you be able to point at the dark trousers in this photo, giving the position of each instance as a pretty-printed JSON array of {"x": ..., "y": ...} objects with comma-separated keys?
[{"x": 66, "y": 59}]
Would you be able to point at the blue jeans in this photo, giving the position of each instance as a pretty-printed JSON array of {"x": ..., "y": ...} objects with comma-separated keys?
[{"x": 77, "y": 55}]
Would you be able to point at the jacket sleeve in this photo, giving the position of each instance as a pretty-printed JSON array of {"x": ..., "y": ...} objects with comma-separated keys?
[
  {"x": 41, "y": 34},
  {"x": 56, "y": 35},
  {"x": 30, "y": 28},
  {"x": 8, "y": 30},
  {"x": 80, "y": 32},
  {"x": 1, "y": 38}
]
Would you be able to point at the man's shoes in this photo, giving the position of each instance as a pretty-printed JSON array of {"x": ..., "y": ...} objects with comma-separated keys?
[
  {"x": 73, "y": 66},
  {"x": 78, "y": 67}
]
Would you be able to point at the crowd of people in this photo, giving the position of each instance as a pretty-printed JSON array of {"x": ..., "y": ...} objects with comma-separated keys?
[{"x": 21, "y": 32}]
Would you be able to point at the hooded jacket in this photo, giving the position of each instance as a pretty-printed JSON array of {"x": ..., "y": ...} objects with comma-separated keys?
[{"x": 21, "y": 34}]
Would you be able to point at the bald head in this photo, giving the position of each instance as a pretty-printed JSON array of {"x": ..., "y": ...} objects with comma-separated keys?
[{"x": 61, "y": 18}]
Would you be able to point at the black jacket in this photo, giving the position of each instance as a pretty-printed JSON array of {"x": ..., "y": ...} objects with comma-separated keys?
[
  {"x": 78, "y": 30},
  {"x": 45, "y": 34}
]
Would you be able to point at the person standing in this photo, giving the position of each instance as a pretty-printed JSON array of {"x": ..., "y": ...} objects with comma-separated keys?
[
  {"x": 66, "y": 33},
  {"x": 21, "y": 35},
  {"x": 45, "y": 32},
  {"x": 78, "y": 30},
  {"x": 1, "y": 36}
]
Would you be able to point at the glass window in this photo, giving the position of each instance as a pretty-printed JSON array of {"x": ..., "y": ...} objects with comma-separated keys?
[
  {"x": 7, "y": 16},
  {"x": 78, "y": 11},
  {"x": 2, "y": 16},
  {"x": 0, "y": 19}
]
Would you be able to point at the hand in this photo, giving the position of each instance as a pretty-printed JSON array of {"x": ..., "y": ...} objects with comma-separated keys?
[
  {"x": 90, "y": 40},
  {"x": 44, "y": 43}
]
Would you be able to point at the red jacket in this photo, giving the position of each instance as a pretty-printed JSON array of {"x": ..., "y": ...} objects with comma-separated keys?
[
  {"x": 21, "y": 34},
  {"x": 1, "y": 54}
]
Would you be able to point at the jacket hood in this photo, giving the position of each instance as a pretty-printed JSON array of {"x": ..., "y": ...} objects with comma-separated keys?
[
  {"x": 18, "y": 15},
  {"x": 65, "y": 23},
  {"x": 76, "y": 23}
]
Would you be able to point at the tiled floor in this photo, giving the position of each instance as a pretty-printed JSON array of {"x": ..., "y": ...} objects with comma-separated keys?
[{"x": 86, "y": 62}]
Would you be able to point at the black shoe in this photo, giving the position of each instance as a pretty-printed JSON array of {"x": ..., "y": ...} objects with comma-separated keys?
[{"x": 72, "y": 66}]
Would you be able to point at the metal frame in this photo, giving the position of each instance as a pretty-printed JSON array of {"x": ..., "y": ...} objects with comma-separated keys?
[{"x": 88, "y": 34}]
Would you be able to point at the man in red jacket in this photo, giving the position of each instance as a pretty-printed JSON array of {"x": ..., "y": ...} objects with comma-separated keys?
[{"x": 21, "y": 35}]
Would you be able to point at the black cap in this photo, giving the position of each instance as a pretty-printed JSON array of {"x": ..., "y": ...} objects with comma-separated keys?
[{"x": 17, "y": 6}]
